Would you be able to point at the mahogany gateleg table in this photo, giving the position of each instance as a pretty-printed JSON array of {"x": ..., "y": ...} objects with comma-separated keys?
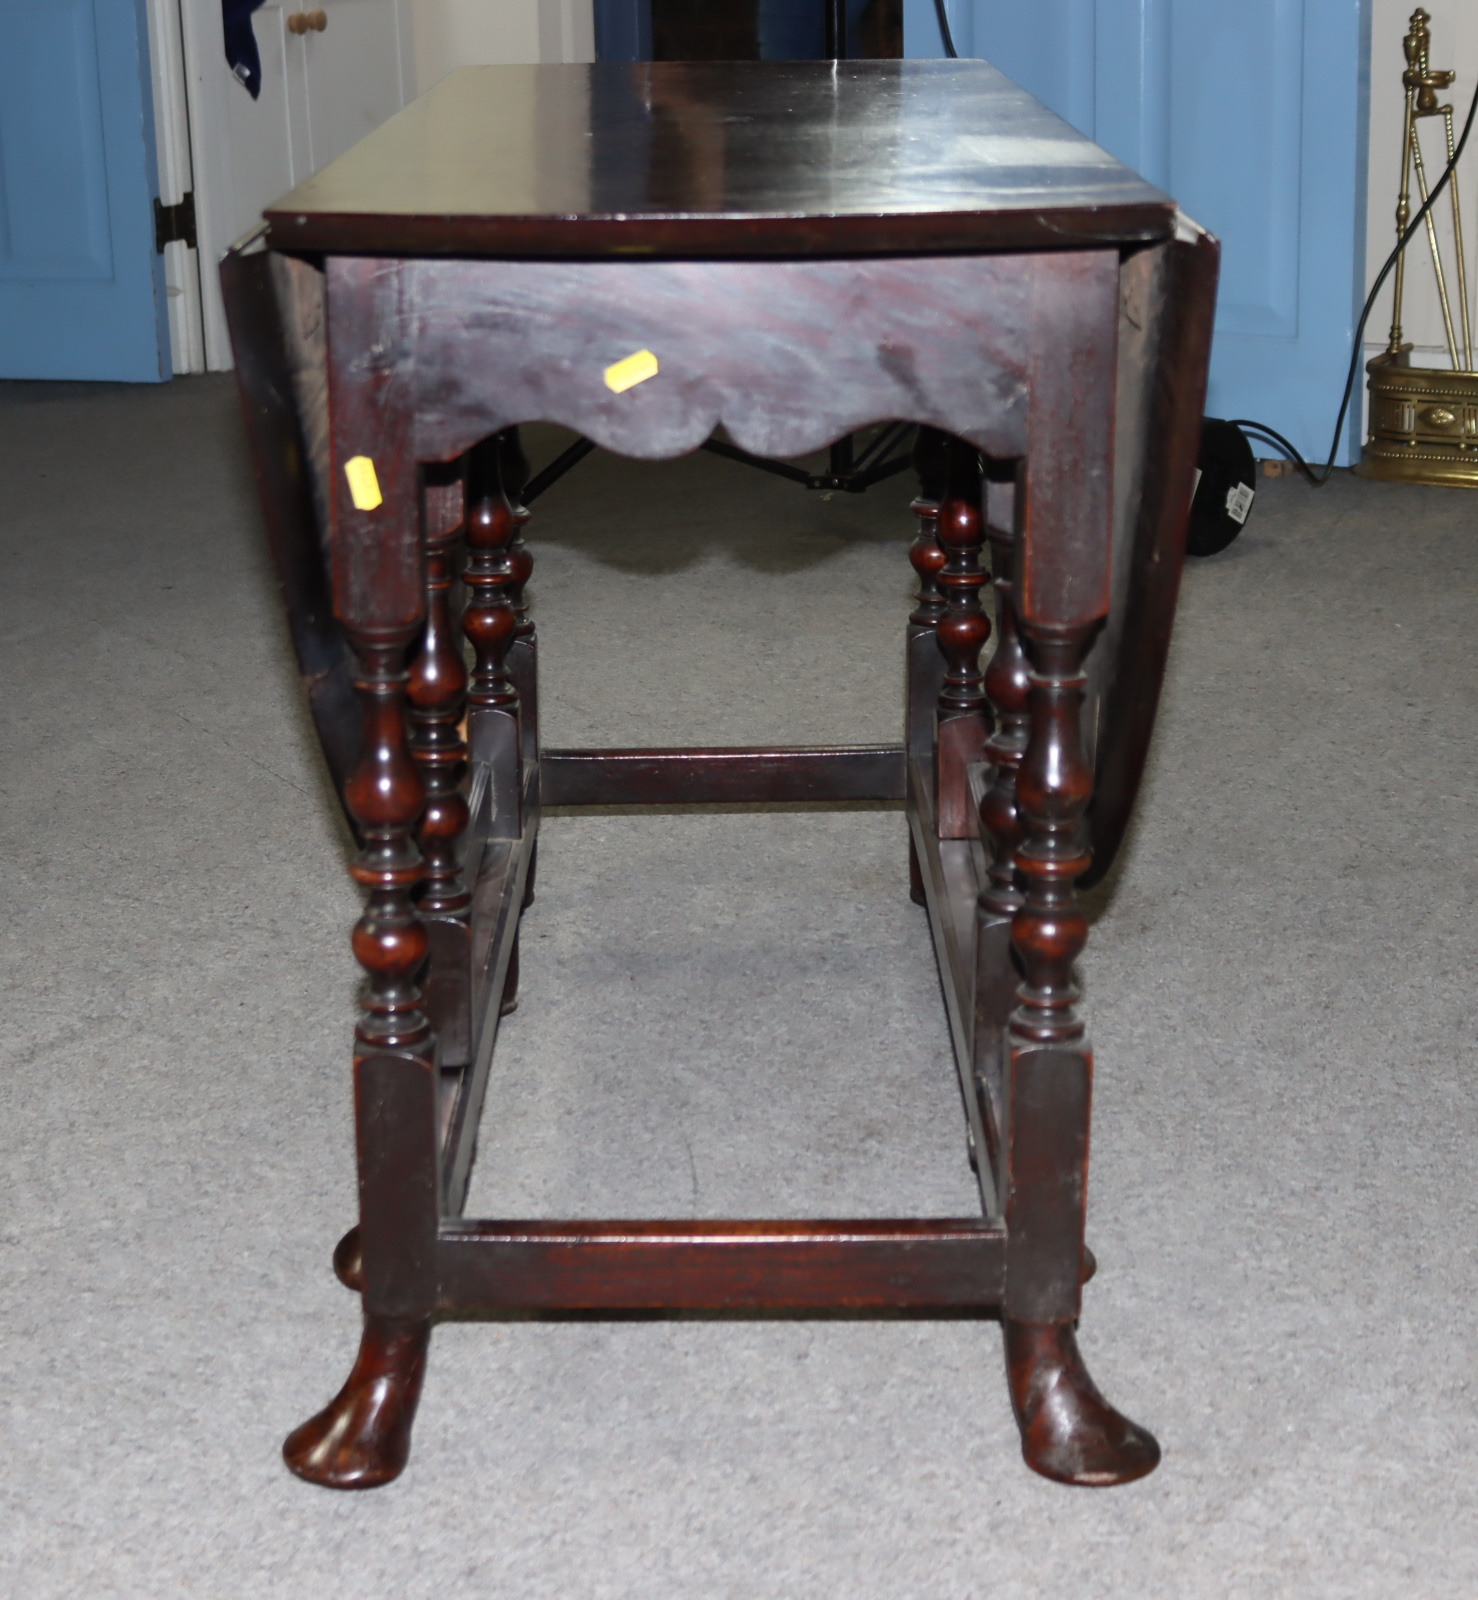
[{"x": 791, "y": 251}]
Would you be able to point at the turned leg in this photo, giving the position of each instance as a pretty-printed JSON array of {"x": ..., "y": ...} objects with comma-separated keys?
[
  {"x": 1068, "y": 1431},
  {"x": 490, "y": 622},
  {"x": 523, "y": 668},
  {"x": 1061, "y": 560},
  {"x": 1007, "y": 687},
  {"x": 925, "y": 665},
  {"x": 962, "y": 720},
  {"x": 498, "y": 566},
  {"x": 438, "y": 696},
  {"x": 362, "y": 1437},
  {"x": 523, "y": 655}
]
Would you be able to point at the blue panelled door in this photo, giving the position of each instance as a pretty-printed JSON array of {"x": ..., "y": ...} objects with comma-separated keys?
[
  {"x": 1253, "y": 115},
  {"x": 81, "y": 284}
]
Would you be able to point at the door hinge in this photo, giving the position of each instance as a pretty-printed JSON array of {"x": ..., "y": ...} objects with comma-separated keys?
[{"x": 175, "y": 222}]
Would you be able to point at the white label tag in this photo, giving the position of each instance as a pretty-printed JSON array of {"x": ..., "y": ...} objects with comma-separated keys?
[{"x": 1239, "y": 503}]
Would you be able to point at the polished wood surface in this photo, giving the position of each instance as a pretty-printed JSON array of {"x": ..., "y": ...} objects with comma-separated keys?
[
  {"x": 1169, "y": 301},
  {"x": 437, "y": 693},
  {"x": 725, "y": 776},
  {"x": 1069, "y": 1432},
  {"x": 756, "y": 347},
  {"x": 721, "y": 158},
  {"x": 756, "y": 30},
  {"x": 870, "y": 1263},
  {"x": 362, "y": 1438},
  {"x": 291, "y": 488},
  {"x": 960, "y": 713}
]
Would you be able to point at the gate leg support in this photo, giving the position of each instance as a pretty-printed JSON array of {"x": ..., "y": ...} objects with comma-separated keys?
[
  {"x": 925, "y": 663},
  {"x": 1008, "y": 688}
]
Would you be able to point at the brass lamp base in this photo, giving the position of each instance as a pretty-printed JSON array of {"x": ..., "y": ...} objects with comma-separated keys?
[{"x": 1423, "y": 423}]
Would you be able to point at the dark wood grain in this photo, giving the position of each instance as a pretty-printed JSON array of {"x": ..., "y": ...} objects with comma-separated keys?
[
  {"x": 437, "y": 692},
  {"x": 504, "y": 1266},
  {"x": 805, "y": 250},
  {"x": 1049, "y": 1072},
  {"x": 924, "y": 663},
  {"x": 735, "y": 30},
  {"x": 498, "y": 899},
  {"x": 493, "y": 580},
  {"x": 377, "y": 552},
  {"x": 490, "y": 618},
  {"x": 722, "y": 31},
  {"x": 523, "y": 657},
  {"x": 1169, "y": 301},
  {"x": 1053, "y": 787},
  {"x": 721, "y": 776},
  {"x": 753, "y": 159},
  {"x": 948, "y": 877},
  {"x": 362, "y": 1438},
  {"x": 1065, "y": 548},
  {"x": 277, "y": 434},
  {"x": 962, "y": 717},
  {"x": 1069, "y": 1432},
  {"x": 1007, "y": 687},
  {"x": 385, "y": 795},
  {"x": 786, "y": 355},
  {"x": 931, "y": 462},
  {"x": 395, "y": 1050}
]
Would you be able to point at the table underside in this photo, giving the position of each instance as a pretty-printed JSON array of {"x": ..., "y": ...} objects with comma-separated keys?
[{"x": 502, "y": 1265}]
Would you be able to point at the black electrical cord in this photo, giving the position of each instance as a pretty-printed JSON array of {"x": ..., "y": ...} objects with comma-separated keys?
[
  {"x": 941, "y": 11},
  {"x": 1261, "y": 429}
]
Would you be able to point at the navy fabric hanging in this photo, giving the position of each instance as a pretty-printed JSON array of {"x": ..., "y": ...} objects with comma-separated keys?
[{"x": 241, "y": 43}]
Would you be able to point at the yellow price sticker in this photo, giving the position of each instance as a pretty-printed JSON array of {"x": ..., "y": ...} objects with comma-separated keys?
[
  {"x": 626, "y": 373},
  {"x": 364, "y": 486}
]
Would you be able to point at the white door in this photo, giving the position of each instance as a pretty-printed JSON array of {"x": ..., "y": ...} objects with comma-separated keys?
[
  {"x": 266, "y": 139},
  {"x": 332, "y": 71},
  {"x": 353, "y": 65}
]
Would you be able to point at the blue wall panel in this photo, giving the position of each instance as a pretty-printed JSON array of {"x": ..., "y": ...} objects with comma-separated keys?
[
  {"x": 1235, "y": 121},
  {"x": 623, "y": 30},
  {"x": 53, "y": 191},
  {"x": 1253, "y": 116},
  {"x": 81, "y": 285}
]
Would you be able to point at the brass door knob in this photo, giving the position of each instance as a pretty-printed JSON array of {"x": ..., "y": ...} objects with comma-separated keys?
[{"x": 307, "y": 22}]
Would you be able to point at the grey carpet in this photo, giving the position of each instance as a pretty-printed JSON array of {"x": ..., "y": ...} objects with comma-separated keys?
[{"x": 728, "y": 1014}]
